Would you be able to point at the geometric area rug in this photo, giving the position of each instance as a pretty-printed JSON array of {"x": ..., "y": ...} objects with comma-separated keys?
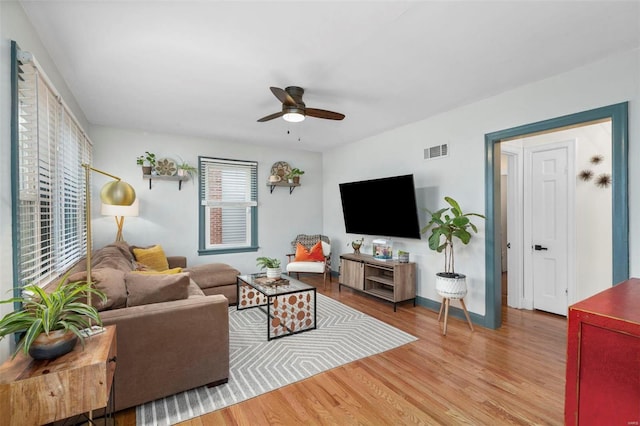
[{"x": 257, "y": 366}]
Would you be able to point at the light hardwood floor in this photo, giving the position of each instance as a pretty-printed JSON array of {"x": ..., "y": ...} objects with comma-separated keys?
[{"x": 514, "y": 375}]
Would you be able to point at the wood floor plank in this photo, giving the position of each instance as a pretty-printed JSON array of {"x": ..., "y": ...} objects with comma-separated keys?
[{"x": 514, "y": 376}]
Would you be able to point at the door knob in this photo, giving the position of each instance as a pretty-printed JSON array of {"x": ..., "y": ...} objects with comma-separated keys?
[{"x": 539, "y": 247}]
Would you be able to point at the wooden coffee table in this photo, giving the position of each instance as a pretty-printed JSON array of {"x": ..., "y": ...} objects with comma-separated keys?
[{"x": 290, "y": 304}]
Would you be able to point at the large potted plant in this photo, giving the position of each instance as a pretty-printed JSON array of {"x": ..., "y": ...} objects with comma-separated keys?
[
  {"x": 447, "y": 225},
  {"x": 272, "y": 265},
  {"x": 52, "y": 321}
]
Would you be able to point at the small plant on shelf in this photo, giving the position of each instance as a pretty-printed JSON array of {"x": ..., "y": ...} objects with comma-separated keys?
[
  {"x": 185, "y": 169},
  {"x": 294, "y": 175}
]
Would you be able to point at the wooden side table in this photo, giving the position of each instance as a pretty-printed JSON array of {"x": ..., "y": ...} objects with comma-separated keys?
[{"x": 39, "y": 392}]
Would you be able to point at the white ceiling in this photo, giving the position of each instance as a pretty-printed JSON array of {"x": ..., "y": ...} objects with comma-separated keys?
[{"x": 203, "y": 68}]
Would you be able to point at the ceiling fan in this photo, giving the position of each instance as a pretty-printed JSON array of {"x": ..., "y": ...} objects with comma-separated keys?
[{"x": 294, "y": 110}]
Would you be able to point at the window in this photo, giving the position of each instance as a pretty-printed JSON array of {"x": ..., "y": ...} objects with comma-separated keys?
[
  {"x": 228, "y": 206},
  {"x": 48, "y": 189}
]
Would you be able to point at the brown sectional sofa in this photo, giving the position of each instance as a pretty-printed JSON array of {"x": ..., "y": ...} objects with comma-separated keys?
[{"x": 175, "y": 338}]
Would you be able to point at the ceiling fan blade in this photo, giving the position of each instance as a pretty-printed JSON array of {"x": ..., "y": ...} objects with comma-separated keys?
[
  {"x": 283, "y": 96},
  {"x": 323, "y": 113},
  {"x": 271, "y": 116}
]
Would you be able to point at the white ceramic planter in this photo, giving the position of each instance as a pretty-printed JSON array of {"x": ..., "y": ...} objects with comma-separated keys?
[
  {"x": 451, "y": 287},
  {"x": 274, "y": 272}
]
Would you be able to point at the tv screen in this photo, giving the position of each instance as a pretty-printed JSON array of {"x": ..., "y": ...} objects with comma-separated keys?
[{"x": 383, "y": 207}]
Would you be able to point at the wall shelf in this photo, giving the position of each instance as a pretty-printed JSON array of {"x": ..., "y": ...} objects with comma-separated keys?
[
  {"x": 273, "y": 185},
  {"x": 178, "y": 179}
]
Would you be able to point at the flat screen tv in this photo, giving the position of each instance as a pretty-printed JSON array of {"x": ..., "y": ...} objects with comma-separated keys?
[{"x": 382, "y": 207}]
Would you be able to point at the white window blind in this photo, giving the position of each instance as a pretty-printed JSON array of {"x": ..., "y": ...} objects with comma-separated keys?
[
  {"x": 228, "y": 204},
  {"x": 51, "y": 146}
]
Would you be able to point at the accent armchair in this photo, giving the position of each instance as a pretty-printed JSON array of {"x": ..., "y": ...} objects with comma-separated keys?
[{"x": 306, "y": 259}]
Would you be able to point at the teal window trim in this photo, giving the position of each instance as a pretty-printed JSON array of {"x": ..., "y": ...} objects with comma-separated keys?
[
  {"x": 202, "y": 216},
  {"x": 618, "y": 113},
  {"x": 15, "y": 113}
]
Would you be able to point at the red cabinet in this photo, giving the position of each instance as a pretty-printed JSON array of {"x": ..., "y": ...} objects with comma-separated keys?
[{"x": 603, "y": 358}]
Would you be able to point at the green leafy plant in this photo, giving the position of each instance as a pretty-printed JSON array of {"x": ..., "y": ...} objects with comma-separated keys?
[
  {"x": 149, "y": 158},
  {"x": 445, "y": 225},
  {"x": 188, "y": 169},
  {"x": 44, "y": 312},
  {"x": 293, "y": 173},
  {"x": 267, "y": 262}
]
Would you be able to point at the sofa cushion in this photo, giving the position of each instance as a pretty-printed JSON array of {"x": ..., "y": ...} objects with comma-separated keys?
[
  {"x": 154, "y": 272},
  {"x": 108, "y": 280},
  {"x": 153, "y": 257},
  {"x": 116, "y": 255},
  {"x": 213, "y": 274},
  {"x": 147, "y": 289}
]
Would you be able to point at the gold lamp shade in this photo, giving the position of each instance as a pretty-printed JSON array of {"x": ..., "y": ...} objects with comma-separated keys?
[{"x": 118, "y": 193}]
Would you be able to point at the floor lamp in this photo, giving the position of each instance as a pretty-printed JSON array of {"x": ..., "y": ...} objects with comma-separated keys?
[
  {"x": 115, "y": 192},
  {"x": 120, "y": 212}
]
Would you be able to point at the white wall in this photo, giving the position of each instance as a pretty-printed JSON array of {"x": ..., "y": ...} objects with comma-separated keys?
[
  {"x": 15, "y": 26},
  {"x": 170, "y": 217},
  {"x": 461, "y": 175}
]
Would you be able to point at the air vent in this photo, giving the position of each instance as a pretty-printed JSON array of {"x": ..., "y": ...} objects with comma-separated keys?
[{"x": 436, "y": 151}]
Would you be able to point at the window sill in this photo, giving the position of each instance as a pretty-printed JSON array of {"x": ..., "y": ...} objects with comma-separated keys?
[{"x": 208, "y": 252}]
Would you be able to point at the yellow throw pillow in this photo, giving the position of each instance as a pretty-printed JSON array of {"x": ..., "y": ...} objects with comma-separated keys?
[
  {"x": 152, "y": 272},
  {"x": 153, "y": 257}
]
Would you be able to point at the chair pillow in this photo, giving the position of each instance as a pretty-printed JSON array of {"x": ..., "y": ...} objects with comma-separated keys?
[
  {"x": 148, "y": 289},
  {"x": 110, "y": 282},
  {"x": 313, "y": 255},
  {"x": 153, "y": 257}
]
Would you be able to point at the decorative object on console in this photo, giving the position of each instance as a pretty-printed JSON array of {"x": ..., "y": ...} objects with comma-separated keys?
[
  {"x": 450, "y": 222},
  {"x": 52, "y": 321},
  {"x": 119, "y": 213},
  {"x": 147, "y": 161},
  {"x": 383, "y": 249},
  {"x": 356, "y": 244},
  {"x": 403, "y": 256},
  {"x": 272, "y": 265}
]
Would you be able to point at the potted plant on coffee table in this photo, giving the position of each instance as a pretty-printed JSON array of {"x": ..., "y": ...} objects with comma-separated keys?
[
  {"x": 51, "y": 321},
  {"x": 447, "y": 225},
  {"x": 272, "y": 265}
]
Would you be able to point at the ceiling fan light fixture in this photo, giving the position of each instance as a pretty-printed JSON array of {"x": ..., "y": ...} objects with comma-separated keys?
[{"x": 293, "y": 117}]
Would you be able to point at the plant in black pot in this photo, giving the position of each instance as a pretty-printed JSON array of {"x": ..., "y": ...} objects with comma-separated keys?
[
  {"x": 52, "y": 321},
  {"x": 447, "y": 225}
]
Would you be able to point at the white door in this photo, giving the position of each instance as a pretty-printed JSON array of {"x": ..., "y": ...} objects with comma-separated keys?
[{"x": 547, "y": 224}]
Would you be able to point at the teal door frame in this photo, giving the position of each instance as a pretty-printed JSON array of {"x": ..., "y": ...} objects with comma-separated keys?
[{"x": 618, "y": 114}]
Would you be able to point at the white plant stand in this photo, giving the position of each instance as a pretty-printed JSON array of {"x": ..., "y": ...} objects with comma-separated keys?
[{"x": 452, "y": 288}]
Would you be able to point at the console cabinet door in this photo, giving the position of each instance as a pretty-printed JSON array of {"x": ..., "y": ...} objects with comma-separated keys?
[{"x": 352, "y": 274}]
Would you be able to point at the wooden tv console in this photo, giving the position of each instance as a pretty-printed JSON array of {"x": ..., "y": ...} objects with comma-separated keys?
[{"x": 389, "y": 280}]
